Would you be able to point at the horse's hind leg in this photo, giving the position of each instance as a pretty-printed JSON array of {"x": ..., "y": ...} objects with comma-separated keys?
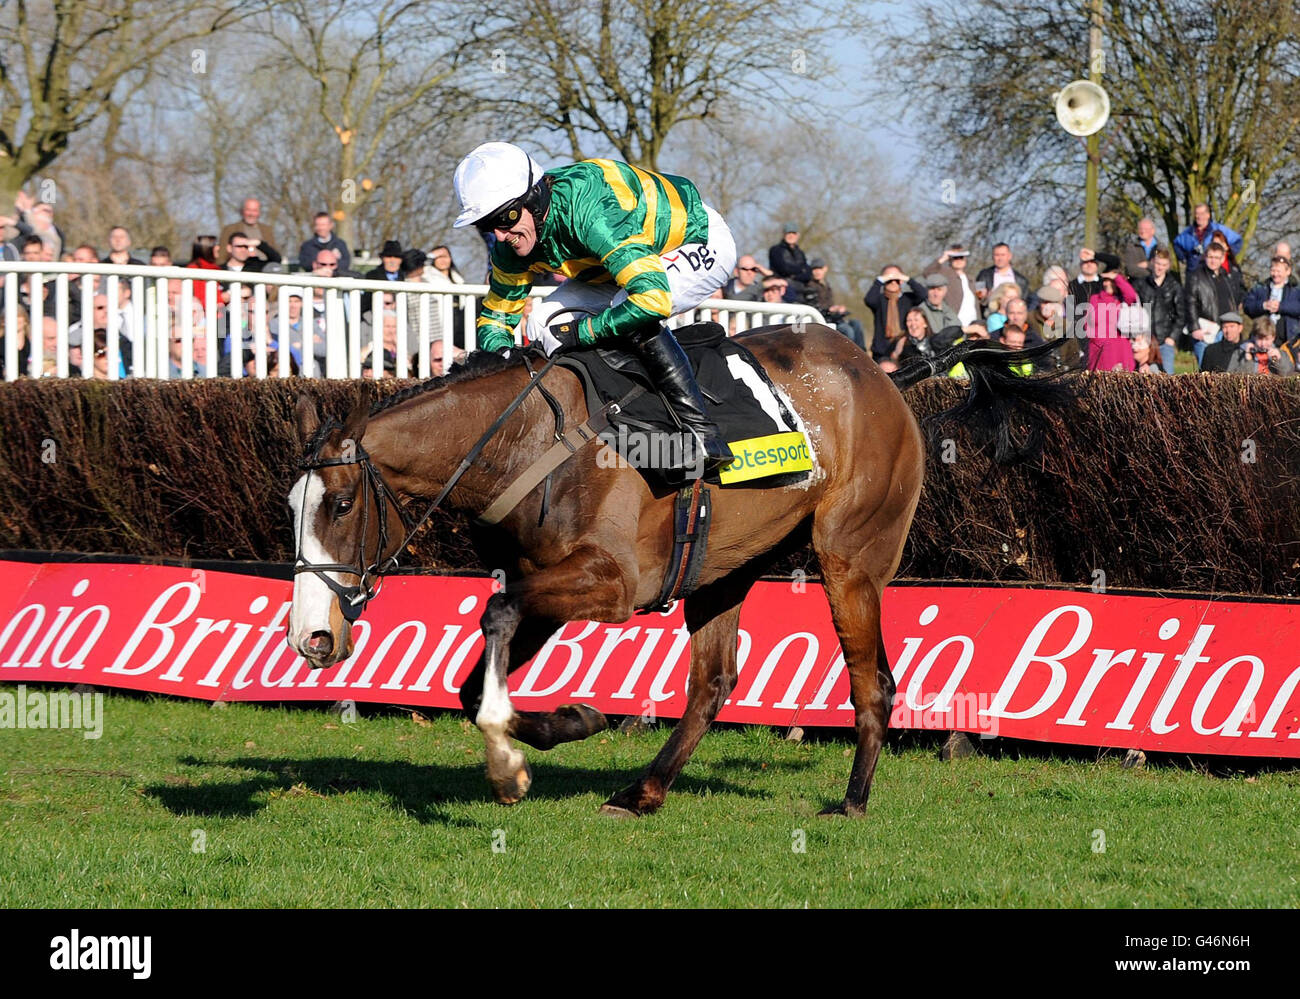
[
  {"x": 713, "y": 618},
  {"x": 856, "y": 610},
  {"x": 856, "y": 565}
]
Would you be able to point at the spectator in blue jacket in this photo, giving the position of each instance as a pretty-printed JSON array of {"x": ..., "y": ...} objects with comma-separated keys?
[
  {"x": 1277, "y": 302},
  {"x": 1192, "y": 241}
]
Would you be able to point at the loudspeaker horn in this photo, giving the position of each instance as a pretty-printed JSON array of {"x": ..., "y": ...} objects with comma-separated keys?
[{"x": 1082, "y": 107}]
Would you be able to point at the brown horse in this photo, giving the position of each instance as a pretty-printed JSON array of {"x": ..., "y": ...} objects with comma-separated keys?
[{"x": 601, "y": 551}]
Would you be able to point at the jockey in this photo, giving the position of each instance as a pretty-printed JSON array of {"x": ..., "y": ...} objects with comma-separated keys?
[{"x": 635, "y": 246}]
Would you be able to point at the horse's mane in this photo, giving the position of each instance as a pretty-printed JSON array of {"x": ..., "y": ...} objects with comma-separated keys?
[{"x": 477, "y": 364}]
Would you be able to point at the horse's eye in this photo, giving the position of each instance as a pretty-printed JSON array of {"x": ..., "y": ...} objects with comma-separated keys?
[{"x": 342, "y": 506}]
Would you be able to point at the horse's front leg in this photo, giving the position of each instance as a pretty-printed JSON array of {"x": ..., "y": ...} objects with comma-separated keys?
[
  {"x": 507, "y": 768},
  {"x": 589, "y": 584}
]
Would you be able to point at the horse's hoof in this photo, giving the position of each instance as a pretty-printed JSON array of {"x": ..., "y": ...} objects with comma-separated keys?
[
  {"x": 642, "y": 797},
  {"x": 615, "y": 812},
  {"x": 588, "y": 720},
  {"x": 511, "y": 790},
  {"x": 843, "y": 810}
]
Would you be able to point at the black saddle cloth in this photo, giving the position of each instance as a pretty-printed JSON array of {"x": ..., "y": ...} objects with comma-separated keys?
[{"x": 609, "y": 373}]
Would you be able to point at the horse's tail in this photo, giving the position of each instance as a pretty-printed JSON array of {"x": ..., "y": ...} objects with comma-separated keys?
[{"x": 1000, "y": 400}]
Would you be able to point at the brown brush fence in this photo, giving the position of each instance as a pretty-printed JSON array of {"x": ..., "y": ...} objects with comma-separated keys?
[{"x": 1186, "y": 482}]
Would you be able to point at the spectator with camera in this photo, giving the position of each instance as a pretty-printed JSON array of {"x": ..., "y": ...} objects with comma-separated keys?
[
  {"x": 891, "y": 296},
  {"x": 838, "y": 316},
  {"x": 1261, "y": 356},
  {"x": 961, "y": 297}
]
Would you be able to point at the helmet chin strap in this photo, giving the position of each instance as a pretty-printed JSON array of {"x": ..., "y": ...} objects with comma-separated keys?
[{"x": 538, "y": 201}]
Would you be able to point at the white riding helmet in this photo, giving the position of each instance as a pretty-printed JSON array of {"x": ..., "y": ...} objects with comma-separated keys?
[{"x": 490, "y": 177}]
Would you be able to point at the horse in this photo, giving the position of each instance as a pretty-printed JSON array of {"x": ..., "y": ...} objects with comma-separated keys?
[{"x": 600, "y": 552}]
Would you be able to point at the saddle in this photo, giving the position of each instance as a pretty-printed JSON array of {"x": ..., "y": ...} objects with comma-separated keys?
[
  {"x": 764, "y": 434},
  {"x": 626, "y": 413}
]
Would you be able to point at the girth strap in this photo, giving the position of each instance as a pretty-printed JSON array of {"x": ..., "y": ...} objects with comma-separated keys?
[{"x": 691, "y": 516}]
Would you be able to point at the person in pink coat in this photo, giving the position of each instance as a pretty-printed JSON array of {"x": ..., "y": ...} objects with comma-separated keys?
[{"x": 1108, "y": 348}]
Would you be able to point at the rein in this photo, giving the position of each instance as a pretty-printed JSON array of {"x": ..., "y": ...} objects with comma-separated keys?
[{"x": 353, "y": 599}]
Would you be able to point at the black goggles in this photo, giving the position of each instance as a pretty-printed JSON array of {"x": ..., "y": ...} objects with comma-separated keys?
[{"x": 503, "y": 218}]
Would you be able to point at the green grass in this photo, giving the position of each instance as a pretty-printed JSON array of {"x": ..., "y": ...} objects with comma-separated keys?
[{"x": 298, "y": 809}]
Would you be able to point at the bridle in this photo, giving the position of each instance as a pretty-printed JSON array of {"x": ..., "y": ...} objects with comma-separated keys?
[{"x": 353, "y": 599}]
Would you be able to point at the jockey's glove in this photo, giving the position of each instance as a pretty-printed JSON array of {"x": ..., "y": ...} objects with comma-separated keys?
[{"x": 569, "y": 332}]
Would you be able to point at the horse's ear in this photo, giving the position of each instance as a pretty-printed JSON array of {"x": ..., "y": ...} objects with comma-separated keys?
[
  {"x": 307, "y": 417},
  {"x": 354, "y": 427}
]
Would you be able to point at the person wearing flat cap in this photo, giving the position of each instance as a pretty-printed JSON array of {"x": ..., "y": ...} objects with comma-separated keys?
[
  {"x": 817, "y": 292},
  {"x": 938, "y": 314},
  {"x": 1047, "y": 322},
  {"x": 961, "y": 296},
  {"x": 788, "y": 261},
  {"x": 390, "y": 263},
  {"x": 1219, "y": 355}
]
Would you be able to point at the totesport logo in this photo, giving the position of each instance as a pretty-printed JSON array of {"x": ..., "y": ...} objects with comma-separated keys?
[
  {"x": 759, "y": 457},
  {"x": 1190, "y": 675}
]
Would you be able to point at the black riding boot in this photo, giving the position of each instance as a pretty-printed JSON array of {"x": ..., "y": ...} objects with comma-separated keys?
[{"x": 669, "y": 369}]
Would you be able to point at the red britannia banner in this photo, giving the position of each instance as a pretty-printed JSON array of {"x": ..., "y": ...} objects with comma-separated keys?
[{"x": 1169, "y": 673}]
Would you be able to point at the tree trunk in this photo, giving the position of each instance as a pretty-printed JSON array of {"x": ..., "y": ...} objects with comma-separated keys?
[{"x": 12, "y": 178}]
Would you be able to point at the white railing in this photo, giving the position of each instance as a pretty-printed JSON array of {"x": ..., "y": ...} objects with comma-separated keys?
[{"x": 177, "y": 321}]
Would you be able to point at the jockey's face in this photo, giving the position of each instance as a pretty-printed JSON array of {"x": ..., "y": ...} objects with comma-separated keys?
[{"x": 522, "y": 236}]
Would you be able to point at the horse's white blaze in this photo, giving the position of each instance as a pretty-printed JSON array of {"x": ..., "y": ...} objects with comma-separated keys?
[{"x": 312, "y": 599}]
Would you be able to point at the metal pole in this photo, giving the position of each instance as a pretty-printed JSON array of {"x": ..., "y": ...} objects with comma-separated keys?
[{"x": 1096, "y": 60}]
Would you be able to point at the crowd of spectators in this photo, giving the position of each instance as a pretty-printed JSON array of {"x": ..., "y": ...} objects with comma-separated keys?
[
  {"x": 1132, "y": 311},
  {"x": 245, "y": 245}
]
